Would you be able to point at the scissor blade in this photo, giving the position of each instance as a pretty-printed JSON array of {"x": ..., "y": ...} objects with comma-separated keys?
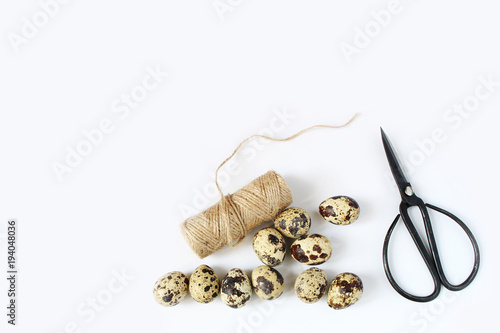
[{"x": 397, "y": 172}]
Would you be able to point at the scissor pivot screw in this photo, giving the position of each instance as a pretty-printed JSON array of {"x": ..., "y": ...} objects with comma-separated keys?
[{"x": 408, "y": 191}]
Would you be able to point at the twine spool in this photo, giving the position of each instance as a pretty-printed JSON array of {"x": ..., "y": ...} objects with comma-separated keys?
[{"x": 228, "y": 221}]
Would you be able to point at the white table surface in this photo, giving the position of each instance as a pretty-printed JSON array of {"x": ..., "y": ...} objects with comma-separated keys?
[{"x": 94, "y": 236}]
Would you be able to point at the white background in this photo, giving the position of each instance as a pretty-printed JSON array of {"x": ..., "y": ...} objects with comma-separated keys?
[{"x": 229, "y": 75}]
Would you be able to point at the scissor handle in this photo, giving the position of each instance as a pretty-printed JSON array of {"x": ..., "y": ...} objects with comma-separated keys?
[
  {"x": 434, "y": 250},
  {"x": 423, "y": 252},
  {"x": 431, "y": 260}
]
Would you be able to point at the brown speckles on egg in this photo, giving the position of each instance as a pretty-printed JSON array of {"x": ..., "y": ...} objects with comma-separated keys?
[
  {"x": 311, "y": 285},
  {"x": 313, "y": 249},
  {"x": 293, "y": 222},
  {"x": 236, "y": 288},
  {"x": 266, "y": 286},
  {"x": 345, "y": 290},
  {"x": 299, "y": 254},
  {"x": 269, "y": 246},
  {"x": 204, "y": 286},
  {"x": 171, "y": 288},
  {"x": 341, "y": 210},
  {"x": 267, "y": 282},
  {"x": 273, "y": 239}
]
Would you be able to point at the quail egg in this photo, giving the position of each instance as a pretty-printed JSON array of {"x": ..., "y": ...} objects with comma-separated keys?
[
  {"x": 311, "y": 285},
  {"x": 204, "y": 285},
  {"x": 344, "y": 291},
  {"x": 236, "y": 288},
  {"x": 312, "y": 249},
  {"x": 267, "y": 282},
  {"x": 293, "y": 222},
  {"x": 270, "y": 246},
  {"x": 339, "y": 210},
  {"x": 171, "y": 288}
]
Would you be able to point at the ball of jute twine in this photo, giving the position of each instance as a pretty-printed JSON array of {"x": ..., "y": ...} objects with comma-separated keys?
[{"x": 228, "y": 221}]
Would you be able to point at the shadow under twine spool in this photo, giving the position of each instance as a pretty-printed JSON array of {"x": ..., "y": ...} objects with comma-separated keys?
[{"x": 228, "y": 221}]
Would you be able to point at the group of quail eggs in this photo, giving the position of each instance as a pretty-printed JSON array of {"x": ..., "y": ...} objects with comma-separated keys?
[{"x": 270, "y": 247}]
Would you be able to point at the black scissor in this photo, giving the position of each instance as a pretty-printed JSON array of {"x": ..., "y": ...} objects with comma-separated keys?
[{"x": 431, "y": 256}]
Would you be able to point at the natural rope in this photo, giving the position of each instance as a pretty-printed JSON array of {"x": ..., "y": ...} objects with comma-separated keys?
[{"x": 229, "y": 220}]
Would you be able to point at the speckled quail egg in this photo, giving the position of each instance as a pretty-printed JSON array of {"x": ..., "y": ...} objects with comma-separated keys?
[
  {"x": 293, "y": 222},
  {"x": 236, "y": 288},
  {"x": 312, "y": 249},
  {"x": 204, "y": 285},
  {"x": 267, "y": 282},
  {"x": 339, "y": 210},
  {"x": 269, "y": 245},
  {"x": 311, "y": 285},
  {"x": 345, "y": 290},
  {"x": 171, "y": 288}
]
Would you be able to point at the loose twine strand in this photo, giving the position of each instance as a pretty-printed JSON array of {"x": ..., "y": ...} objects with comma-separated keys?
[
  {"x": 273, "y": 139},
  {"x": 229, "y": 220}
]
